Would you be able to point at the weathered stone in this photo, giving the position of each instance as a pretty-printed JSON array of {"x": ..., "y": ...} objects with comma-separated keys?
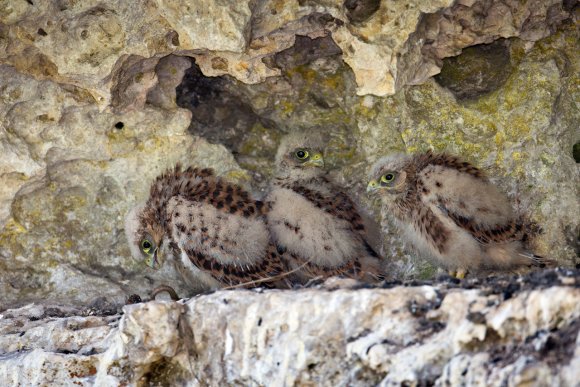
[
  {"x": 387, "y": 47},
  {"x": 478, "y": 70},
  {"x": 334, "y": 335},
  {"x": 467, "y": 23},
  {"x": 90, "y": 114},
  {"x": 63, "y": 155},
  {"x": 361, "y": 10},
  {"x": 72, "y": 173},
  {"x": 195, "y": 23}
]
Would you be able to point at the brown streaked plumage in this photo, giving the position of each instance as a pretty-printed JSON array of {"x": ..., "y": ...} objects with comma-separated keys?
[
  {"x": 450, "y": 211},
  {"x": 212, "y": 227},
  {"x": 312, "y": 220}
]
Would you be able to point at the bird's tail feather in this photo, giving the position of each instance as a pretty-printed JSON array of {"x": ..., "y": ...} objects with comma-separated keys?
[
  {"x": 513, "y": 254},
  {"x": 537, "y": 260}
]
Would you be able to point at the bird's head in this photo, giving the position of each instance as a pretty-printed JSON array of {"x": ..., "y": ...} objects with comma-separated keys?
[
  {"x": 388, "y": 176},
  {"x": 300, "y": 155},
  {"x": 145, "y": 235}
]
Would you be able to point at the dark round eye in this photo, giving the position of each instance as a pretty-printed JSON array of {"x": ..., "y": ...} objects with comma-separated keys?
[
  {"x": 301, "y": 154},
  {"x": 146, "y": 245},
  {"x": 387, "y": 178}
]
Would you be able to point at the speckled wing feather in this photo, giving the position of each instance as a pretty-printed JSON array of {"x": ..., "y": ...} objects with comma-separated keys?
[
  {"x": 228, "y": 197},
  {"x": 260, "y": 273},
  {"x": 486, "y": 233},
  {"x": 340, "y": 206},
  {"x": 448, "y": 161},
  {"x": 457, "y": 190},
  {"x": 222, "y": 230},
  {"x": 173, "y": 182},
  {"x": 351, "y": 268}
]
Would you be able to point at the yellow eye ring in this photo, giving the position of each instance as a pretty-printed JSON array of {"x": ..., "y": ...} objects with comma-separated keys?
[
  {"x": 387, "y": 178},
  {"x": 301, "y": 154},
  {"x": 146, "y": 246}
]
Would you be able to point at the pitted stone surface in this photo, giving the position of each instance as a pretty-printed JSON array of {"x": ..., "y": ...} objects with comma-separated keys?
[{"x": 439, "y": 334}]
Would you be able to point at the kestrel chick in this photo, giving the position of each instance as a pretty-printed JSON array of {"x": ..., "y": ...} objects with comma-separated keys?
[
  {"x": 451, "y": 212},
  {"x": 312, "y": 219},
  {"x": 213, "y": 227}
]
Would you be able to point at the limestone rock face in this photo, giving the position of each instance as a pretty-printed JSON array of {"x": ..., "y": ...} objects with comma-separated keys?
[
  {"x": 506, "y": 332},
  {"x": 69, "y": 174},
  {"x": 99, "y": 97},
  {"x": 387, "y": 46}
]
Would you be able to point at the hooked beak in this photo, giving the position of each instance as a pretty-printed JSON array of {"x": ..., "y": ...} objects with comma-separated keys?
[
  {"x": 152, "y": 260},
  {"x": 315, "y": 161},
  {"x": 373, "y": 186}
]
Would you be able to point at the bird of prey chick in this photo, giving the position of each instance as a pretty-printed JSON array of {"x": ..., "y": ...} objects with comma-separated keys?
[
  {"x": 213, "y": 227},
  {"x": 451, "y": 212},
  {"x": 314, "y": 221}
]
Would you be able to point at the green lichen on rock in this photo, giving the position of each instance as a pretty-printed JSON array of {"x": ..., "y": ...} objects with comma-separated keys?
[
  {"x": 519, "y": 133},
  {"x": 508, "y": 130},
  {"x": 478, "y": 70},
  {"x": 75, "y": 168},
  {"x": 64, "y": 233}
]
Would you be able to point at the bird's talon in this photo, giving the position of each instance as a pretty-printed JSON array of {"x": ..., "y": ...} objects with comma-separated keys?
[{"x": 164, "y": 288}]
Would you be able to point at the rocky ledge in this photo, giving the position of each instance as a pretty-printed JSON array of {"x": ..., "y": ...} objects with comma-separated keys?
[{"x": 500, "y": 331}]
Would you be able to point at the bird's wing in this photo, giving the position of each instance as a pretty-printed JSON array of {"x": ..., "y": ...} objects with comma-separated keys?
[
  {"x": 484, "y": 233},
  {"x": 352, "y": 268},
  {"x": 224, "y": 234},
  {"x": 339, "y": 205},
  {"x": 227, "y": 197},
  {"x": 472, "y": 203},
  {"x": 265, "y": 272}
]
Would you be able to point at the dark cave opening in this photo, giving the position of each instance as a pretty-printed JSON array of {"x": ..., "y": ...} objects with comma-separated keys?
[
  {"x": 218, "y": 114},
  {"x": 477, "y": 71}
]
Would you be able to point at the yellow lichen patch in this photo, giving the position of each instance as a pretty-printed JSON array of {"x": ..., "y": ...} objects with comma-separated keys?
[
  {"x": 304, "y": 72},
  {"x": 13, "y": 227},
  {"x": 238, "y": 176},
  {"x": 260, "y": 141},
  {"x": 520, "y": 158},
  {"x": 11, "y": 233},
  {"x": 518, "y": 128},
  {"x": 362, "y": 109},
  {"x": 70, "y": 199},
  {"x": 333, "y": 82},
  {"x": 286, "y": 107},
  {"x": 338, "y": 151}
]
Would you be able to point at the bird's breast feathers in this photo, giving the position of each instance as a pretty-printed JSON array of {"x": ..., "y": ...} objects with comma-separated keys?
[{"x": 309, "y": 231}]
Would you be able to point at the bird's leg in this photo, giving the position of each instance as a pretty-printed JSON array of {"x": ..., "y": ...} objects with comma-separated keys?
[
  {"x": 162, "y": 289},
  {"x": 459, "y": 273},
  {"x": 312, "y": 281}
]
